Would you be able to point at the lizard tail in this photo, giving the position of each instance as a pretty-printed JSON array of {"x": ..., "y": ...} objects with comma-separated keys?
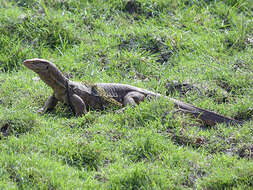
[{"x": 208, "y": 117}]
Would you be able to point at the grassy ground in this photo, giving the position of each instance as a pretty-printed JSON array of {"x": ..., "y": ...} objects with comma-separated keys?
[{"x": 145, "y": 43}]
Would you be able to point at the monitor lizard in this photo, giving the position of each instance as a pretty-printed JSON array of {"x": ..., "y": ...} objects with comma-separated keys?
[{"x": 81, "y": 97}]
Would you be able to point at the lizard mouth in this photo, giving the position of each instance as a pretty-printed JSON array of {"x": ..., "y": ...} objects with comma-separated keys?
[{"x": 28, "y": 63}]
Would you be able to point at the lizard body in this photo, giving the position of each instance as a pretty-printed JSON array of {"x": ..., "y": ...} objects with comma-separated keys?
[{"x": 82, "y": 97}]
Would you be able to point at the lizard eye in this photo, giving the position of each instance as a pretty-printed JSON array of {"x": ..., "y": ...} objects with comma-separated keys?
[{"x": 46, "y": 67}]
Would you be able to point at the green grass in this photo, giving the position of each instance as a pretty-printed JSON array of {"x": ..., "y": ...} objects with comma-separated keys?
[{"x": 145, "y": 43}]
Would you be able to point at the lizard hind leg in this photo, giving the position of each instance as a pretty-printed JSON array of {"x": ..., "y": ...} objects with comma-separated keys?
[{"x": 133, "y": 98}]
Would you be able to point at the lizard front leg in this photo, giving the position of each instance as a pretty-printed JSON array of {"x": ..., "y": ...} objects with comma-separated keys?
[
  {"x": 49, "y": 104},
  {"x": 78, "y": 105}
]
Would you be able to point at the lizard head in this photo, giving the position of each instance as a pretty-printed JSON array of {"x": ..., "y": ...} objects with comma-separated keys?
[
  {"x": 47, "y": 71},
  {"x": 39, "y": 66}
]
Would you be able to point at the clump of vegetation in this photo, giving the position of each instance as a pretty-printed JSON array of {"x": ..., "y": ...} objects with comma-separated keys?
[
  {"x": 152, "y": 45},
  {"x": 133, "y": 178},
  {"x": 147, "y": 147},
  {"x": 80, "y": 155}
]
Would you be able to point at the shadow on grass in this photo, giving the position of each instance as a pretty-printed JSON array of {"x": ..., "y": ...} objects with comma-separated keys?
[{"x": 15, "y": 125}]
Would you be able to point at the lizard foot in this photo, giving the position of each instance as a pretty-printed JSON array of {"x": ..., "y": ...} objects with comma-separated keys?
[
  {"x": 40, "y": 111},
  {"x": 120, "y": 110}
]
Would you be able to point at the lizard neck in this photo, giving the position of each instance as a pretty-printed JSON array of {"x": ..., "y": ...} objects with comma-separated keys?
[{"x": 55, "y": 79}]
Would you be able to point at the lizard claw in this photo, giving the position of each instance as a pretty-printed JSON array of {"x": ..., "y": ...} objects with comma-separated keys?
[
  {"x": 120, "y": 110},
  {"x": 40, "y": 111}
]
